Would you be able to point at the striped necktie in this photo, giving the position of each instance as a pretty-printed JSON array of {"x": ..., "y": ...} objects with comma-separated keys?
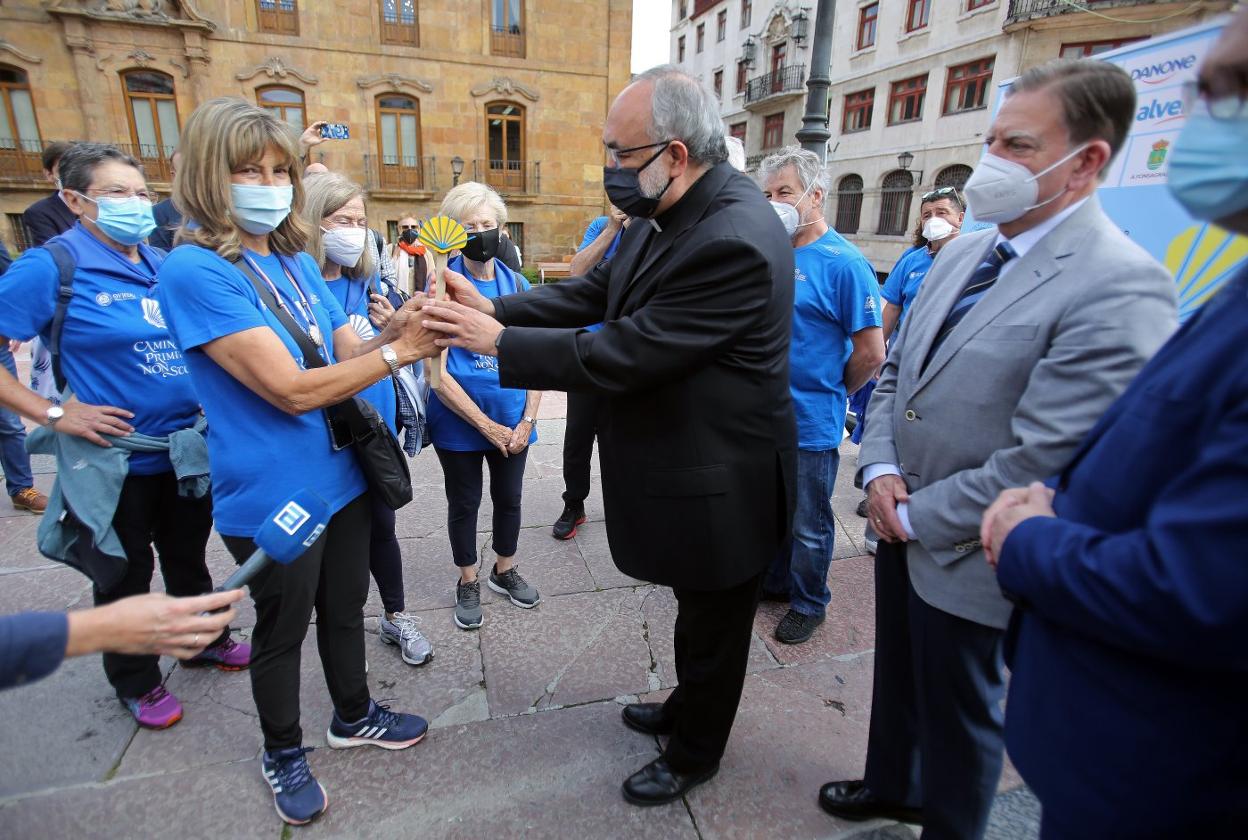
[{"x": 981, "y": 281}]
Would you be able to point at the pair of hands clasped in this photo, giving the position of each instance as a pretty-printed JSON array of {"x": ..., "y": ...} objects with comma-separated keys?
[{"x": 1011, "y": 507}]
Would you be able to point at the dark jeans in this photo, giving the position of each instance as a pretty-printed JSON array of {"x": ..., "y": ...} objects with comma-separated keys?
[
  {"x": 13, "y": 457},
  {"x": 462, "y": 471},
  {"x": 712, "y": 645},
  {"x": 936, "y": 737},
  {"x": 332, "y": 578},
  {"x": 150, "y": 511},
  {"x": 801, "y": 567},
  {"x": 385, "y": 560},
  {"x": 578, "y": 446}
]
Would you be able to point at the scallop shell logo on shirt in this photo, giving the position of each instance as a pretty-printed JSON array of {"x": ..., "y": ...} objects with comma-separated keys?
[
  {"x": 152, "y": 313},
  {"x": 103, "y": 299},
  {"x": 362, "y": 326}
]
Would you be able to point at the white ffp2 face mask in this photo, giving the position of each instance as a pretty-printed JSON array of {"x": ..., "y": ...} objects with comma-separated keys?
[
  {"x": 1000, "y": 190},
  {"x": 344, "y": 245},
  {"x": 936, "y": 229},
  {"x": 788, "y": 216}
]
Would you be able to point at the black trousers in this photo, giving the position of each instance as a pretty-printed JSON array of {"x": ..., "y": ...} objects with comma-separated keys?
[
  {"x": 385, "y": 560},
  {"x": 713, "y": 632},
  {"x": 578, "y": 446},
  {"x": 150, "y": 512},
  {"x": 937, "y": 725},
  {"x": 462, "y": 474},
  {"x": 332, "y": 578}
]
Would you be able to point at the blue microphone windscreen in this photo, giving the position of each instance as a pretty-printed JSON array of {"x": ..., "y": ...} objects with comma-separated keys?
[{"x": 293, "y": 527}]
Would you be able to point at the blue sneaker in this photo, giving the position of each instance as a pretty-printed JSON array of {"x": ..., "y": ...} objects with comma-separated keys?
[
  {"x": 298, "y": 797},
  {"x": 380, "y": 728}
]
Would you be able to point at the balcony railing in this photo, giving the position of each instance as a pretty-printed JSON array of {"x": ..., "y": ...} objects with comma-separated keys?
[
  {"x": 401, "y": 174},
  {"x": 1021, "y": 10},
  {"x": 507, "y": 40},
  {"x": 786, "y": 80},
  {"x": 514, "y": 177},
  {"x": 20, "y": 160},
  {"x": 155, "y": 160}
]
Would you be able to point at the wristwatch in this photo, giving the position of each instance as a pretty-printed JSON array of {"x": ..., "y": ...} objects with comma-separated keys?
[
  {"x": 54, "y": 413},
  {"x": 528, "y": 420},
  {"x": 498, "y": 338},
  {"x": 391, "y": 358}
]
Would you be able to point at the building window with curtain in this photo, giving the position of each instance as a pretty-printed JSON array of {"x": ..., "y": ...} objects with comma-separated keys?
[
  {"x": 721, "y": 25},
  {"x": 680, "y": 49},
  {"x": 1087, "y": 49},
  {"x": 152, "y": 111},
  {"x": 773, "y": 131},
  {"x": 701, "y": 37},
  {"x": 505, "y": 168},
  {"x": 896, "y": 193},
  {"x": 737, "y": 130},
  {"x": 848, "y": 204},
  {"x": 858, "y": 108},
  {"x": 285, "y": 103},
  {"x": 747, "y": 11},
  {"x": 399, "y": 23},
  {"x": 917, "y": 14},
  {"x": 20, "y": 142},
  {"x": 718, "y": 84},
  {"x": 905, "y": 100},
  {"x": 868, "y": 21},
  {"x": 742, "y": 76},
  {"x": 966, "y": 89},
  {"x": 507, "y": 28},
  {"x": 280, "y": 16},
  {"x": 398, "y": 143}
]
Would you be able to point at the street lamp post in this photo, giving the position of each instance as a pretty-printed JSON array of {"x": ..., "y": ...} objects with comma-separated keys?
[
  {"x": 814, "y": 133},
  {"x": 457, "y": 169},
  {"x": 903, "y": 161}
]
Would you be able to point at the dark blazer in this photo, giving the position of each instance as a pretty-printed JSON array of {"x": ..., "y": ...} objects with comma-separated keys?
[
  {"x": 167, "y": 221},
  {"x": 1128, "y": 706},
  {"x": 696, "y": 434},
  {"x": 46, "y": 218}
]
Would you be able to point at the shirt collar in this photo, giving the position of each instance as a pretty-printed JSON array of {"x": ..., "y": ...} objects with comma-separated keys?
[{"x": 1028, "y": 239}]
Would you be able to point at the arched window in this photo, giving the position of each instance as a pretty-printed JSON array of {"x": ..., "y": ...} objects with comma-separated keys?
[
  {"x": 504, "y": 131},
  {"x": 953, "y": 176},
  {"x": 398, "y": 142},
  {"x": 848, "y": 204},
  {"x": 20, "y": 143},
  {"x": 153, "y": 113},
  {"x": 895, "y": 195},
  {"x": 285, "y": 103}
]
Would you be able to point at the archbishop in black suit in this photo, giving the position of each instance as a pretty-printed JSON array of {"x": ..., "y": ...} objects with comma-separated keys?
[{"x": 697, "y": 440}]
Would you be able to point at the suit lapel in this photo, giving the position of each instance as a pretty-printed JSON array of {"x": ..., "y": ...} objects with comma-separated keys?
[
  {"x": 939, "y": 292},
  {"x": 624, "y": 263}
]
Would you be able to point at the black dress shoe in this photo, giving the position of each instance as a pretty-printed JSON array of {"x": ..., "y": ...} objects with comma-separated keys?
[
  {"x": 648, "y": 718},
  {"x": 657, "y": 783},
  {"x": 853, "y": 801}
]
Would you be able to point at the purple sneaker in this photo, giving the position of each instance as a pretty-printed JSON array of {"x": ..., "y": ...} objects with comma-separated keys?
[
  {"x": 158, "y": 709},
  {"x": 227, "y": 655}
]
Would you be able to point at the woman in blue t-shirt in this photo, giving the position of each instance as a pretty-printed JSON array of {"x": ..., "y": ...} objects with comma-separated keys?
[
  {"x": 472, "y": 418},
  {"x": 116, "y": 351},
  {"x": 240, "y": 190},
  {"x": 340, "y": 244}
]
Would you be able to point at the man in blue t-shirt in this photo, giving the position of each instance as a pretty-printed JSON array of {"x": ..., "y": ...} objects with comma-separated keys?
[
  {"x": 940, "y": 213},
  {"x": 836, "y": 347},
  {"x": 601, "y": 239}
]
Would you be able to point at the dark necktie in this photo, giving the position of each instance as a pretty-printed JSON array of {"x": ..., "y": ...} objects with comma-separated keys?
[{"x": 981, "y": 281}]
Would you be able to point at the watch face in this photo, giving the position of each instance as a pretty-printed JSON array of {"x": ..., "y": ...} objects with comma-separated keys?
[{"x": 55, "y": 413}]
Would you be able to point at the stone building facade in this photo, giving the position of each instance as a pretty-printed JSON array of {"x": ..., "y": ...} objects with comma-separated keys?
[{"x": 497, "y": 90}]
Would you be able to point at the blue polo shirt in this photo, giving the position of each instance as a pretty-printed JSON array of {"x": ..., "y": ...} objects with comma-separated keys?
[
  {"x": 260, "y": 456},
  {"x": 478, "y": 376},
  {"x": 115, "y": 347},
  {"x": 353, "y": 297},
  {"x": 902, "y": 285},
  {"x": 835, "y": 296},
  {"x": 595, "y": 230}
]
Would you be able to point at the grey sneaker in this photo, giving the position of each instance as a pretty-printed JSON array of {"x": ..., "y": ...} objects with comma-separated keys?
[
  {"x": 413, "y": 646},
  {"x": 468, "y": 605},
  {"x": 510, "y": 583}
]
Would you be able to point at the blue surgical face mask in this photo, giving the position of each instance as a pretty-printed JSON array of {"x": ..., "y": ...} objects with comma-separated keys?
[
  {"x": 259, "y": 209},
  {"x": 1208, "y": 170},
  {"x": 124, "y": 220}
]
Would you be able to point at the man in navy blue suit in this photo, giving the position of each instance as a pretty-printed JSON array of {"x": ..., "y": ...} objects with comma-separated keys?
[{"x": 1128, "y": 708}]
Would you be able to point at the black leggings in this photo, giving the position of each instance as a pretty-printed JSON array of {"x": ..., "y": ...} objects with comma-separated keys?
[
  {"x": 385, "y": 560},
  {"x": 332, "y": 577},
  {"x": 463, "y": 496}
]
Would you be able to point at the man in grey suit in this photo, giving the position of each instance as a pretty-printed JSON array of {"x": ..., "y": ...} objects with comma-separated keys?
[{"x": 1021, "y": 336}]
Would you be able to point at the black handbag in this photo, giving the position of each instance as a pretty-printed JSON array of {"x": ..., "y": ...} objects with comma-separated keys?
[{"x": 380, "y": 457}]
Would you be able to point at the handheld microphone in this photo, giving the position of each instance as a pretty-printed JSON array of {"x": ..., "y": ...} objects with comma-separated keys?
[{"x": 286, "y": 534}]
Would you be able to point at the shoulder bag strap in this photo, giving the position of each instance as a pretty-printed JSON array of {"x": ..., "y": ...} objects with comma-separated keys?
[{"x": 65, "y": 266}]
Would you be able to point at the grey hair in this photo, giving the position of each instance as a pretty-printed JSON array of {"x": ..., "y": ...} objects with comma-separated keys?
[
  {"x": 807, "y": 164},
  {"x": 324, "y": 195},
  {"x": 76, "y": 167},
  {"x": 682, "y": 108}
]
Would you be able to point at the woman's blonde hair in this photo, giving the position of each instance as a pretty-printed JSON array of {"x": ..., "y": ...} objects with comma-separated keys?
[
  {"x": 327, "y": 193},
  {"x": 470, "y": 196},
  {"x": 220, "y": 136}
]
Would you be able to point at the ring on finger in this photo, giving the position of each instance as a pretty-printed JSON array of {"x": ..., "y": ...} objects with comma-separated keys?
[{"x": 195, "y": 641}]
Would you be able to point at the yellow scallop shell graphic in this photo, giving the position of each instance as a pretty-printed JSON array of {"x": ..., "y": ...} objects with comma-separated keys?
[
  {"x": 1202, "y": 258},
  {"x": 442, "y": 234}
]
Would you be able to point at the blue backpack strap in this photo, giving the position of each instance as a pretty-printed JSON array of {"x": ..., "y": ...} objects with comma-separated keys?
[{"x": 66, "y": 267}]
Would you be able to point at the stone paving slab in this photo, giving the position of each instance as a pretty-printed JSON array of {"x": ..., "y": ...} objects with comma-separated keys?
[
  {"x": 591, "y": 538},
  {"x": 850, "y": 623},
  {"x": 54, "y": 587}
]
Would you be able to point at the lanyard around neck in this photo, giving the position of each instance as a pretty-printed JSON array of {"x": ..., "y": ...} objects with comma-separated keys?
[{"x": 310, "y": 325}]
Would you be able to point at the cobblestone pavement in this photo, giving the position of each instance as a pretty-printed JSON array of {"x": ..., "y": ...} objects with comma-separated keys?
[{"x": 526, "y": 739}]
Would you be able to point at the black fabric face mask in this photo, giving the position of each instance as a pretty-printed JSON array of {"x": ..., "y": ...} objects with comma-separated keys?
[
  {"x": 623, "y": 186},
  {"x": 481, "y": 246}
]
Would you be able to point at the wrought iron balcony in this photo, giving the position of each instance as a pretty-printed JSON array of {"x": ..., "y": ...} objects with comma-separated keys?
[
  {"x": 509, "y": 177},
  {"x": 787, "y": 81},
  {"x": 21, "y": 161},
  {"x": 155, "y": 159},
  {"x": 1024, "y": 10},
  {"x": 394, "y": 173},
  {"x": 507, "y": 40}
]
